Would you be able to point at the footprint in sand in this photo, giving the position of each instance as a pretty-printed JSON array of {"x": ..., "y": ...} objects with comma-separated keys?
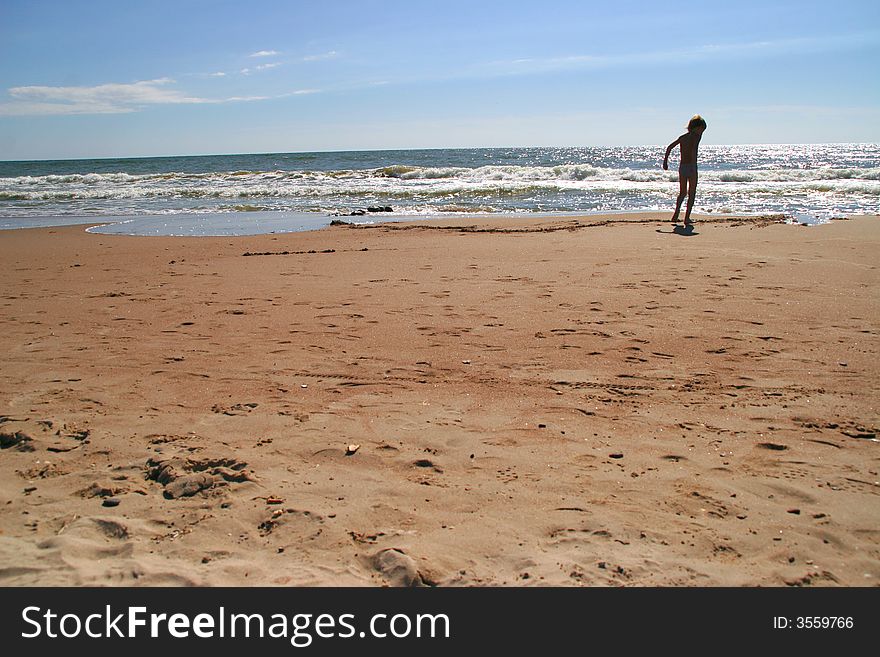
[{"x": 185, "y": 477}]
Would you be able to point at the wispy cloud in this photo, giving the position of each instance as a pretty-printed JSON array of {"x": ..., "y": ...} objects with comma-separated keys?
[
  {"x": 243, "y": 99},
  {"x": 112, "y": 98},
  {"x": 316, "y": 58},
  {"x": 254, "y": 68},
  {"x": 100, "y": 99},
  {"x": 261, "y": 67},
  {"x": 705, "y": 51}
]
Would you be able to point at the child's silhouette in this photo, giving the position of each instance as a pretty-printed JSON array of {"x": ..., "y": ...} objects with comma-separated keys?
[{"x": 687, "y": 168}]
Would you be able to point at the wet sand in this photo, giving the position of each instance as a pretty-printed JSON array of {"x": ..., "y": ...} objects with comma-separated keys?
[{"x": 564, "y": 401}]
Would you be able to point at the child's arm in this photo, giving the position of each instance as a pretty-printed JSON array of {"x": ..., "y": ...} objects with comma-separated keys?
[{"x": 668, "y": 151}]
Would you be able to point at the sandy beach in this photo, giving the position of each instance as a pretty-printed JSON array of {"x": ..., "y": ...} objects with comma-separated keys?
[{"x": 558, "y": 401}]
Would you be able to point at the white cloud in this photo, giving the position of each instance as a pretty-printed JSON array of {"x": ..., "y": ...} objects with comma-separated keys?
[
  {"x": 110, "y": 98},
  {"x": 316, "y": 58},
  {"x": 245, "y": 99},
  {"x": 100, "y": 99},
  {"x": 218, "y": 74},
  {"x": 261, "y": 67},
  {"x": 296, "y": 92},
  {"x": 264, "y": 53},
  {"x": 714, "y": 50}
]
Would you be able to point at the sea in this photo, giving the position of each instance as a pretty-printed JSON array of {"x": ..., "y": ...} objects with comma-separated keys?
[{"x": 284, "y": 192}]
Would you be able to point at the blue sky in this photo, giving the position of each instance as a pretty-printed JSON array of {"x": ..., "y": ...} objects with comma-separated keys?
[{"x": 114, "y": 79}]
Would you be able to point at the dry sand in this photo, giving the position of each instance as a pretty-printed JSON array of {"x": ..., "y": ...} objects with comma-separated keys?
[{"x": 557, "y": 402}]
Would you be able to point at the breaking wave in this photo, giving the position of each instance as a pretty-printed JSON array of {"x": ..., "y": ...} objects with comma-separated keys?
[{"x": 812, "y": 178}]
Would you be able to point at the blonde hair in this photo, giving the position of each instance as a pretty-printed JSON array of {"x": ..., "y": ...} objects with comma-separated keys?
[{"x": 696, "y": 121}]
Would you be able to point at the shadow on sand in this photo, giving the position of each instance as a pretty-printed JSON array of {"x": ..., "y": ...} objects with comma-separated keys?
[{"x": 684, "y": 231}]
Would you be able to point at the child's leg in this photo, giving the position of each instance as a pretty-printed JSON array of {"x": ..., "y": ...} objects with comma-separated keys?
[
  {"x": 691, "y": 195},
  {"x": 682, "y": 192}
]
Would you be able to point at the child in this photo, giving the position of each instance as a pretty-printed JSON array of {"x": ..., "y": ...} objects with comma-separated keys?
[{"x": 687, "y": 168}]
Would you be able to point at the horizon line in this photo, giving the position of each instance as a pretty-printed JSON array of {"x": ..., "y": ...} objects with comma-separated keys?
[{"x": 415, "y": 148}]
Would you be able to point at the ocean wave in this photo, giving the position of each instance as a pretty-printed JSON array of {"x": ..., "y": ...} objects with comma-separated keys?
[
  {"x": 736, "y": 176},
  {"x": 793, "y": 175},
  {"x": 406, "y": 173},
  {"x": 455, "y": 209},
  {"x": 244, "y": 207},
  {"x": 86, "y": 178},
  {"x": 829, "y": 178},
  {"x": 477, "y": 187}
]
